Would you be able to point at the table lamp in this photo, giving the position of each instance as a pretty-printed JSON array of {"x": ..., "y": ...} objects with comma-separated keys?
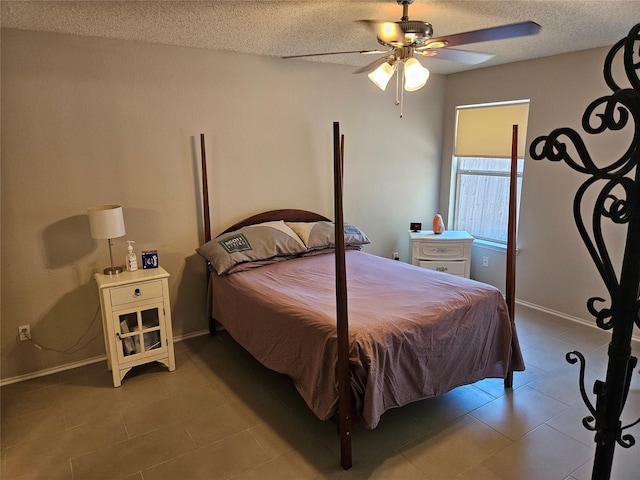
[{"x": 107, "y": 222}]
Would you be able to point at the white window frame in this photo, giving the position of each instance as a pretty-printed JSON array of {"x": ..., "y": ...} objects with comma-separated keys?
[{"x": 458, "y": 173}]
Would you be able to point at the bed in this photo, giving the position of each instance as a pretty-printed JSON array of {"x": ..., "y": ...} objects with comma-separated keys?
[
  {"x": 356, "y": 333},
  {"x": 414, "y": 333}
]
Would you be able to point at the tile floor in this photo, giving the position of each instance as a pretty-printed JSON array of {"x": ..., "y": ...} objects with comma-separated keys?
[{"x": 221, "y": 415}]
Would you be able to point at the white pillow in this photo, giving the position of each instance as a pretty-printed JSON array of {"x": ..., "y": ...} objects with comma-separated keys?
[{"x": 317, "y": 235}]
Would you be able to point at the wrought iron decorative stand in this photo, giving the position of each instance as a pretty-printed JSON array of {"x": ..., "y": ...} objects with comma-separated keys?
[{"x": 618, "y": 202}]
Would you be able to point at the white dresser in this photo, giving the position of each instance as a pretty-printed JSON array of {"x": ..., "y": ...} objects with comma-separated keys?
[{"x": 449, "y": 251}]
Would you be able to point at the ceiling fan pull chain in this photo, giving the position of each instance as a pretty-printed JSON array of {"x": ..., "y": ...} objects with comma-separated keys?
[
  {"x": 401, "y": 83},
  {"x": 397, "y": 102}
]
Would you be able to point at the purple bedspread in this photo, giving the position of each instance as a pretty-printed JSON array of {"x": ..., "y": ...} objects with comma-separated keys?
[{"x": 414, "y": 333}]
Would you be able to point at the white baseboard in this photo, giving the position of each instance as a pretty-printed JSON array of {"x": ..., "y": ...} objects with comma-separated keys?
[
  {"x": 82, "y": 363},
  {"x": 49, "y": 371},
  {"x": 186, "y": 336},
  {"x": 582, "y": 321}
]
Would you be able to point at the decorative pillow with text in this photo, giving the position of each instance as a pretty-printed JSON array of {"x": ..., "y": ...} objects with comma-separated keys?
[{"x": 259, "y": 242}]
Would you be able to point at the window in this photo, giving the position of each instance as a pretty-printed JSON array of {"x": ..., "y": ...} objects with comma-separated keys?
[
  {"x": 482, "y": 197},
  {"x": 482, "y": 167}
]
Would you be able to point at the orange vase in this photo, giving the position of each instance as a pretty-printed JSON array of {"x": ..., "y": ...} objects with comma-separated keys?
[{"x": 438, "y": 224}]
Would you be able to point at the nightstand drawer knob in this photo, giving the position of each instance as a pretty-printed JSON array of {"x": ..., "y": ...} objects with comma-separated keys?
[{"x": 137, "y": 292}]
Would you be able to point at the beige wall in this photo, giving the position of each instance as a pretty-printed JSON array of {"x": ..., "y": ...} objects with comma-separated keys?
[
  {"x": 89, "y": 121},
  {"x": 554, "y": 269}
]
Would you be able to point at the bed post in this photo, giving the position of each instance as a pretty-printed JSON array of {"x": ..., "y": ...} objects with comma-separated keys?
[
  {"x": 511, "y": 242},
  {"x": 205, "y": 192},
  {"x": 207, "y": 220},
  {"x": 344, "y": 375}
]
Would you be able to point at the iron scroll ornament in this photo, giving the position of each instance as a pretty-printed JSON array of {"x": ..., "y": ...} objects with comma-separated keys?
[{"x": 618, "y": 202}]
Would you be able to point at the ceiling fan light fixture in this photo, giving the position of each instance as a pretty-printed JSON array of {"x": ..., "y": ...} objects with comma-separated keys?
[
  {"x": 387, "y": 29},
  {"x": 415, "y": 75},
  {"x": 389, "y": 33},
  {"x": 381, "y": 75}
]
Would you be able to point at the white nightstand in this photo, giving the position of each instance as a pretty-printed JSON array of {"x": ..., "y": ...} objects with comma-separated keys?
[
  {"x": 448, "y": 252},
  {"x": 136, "y": 320}
]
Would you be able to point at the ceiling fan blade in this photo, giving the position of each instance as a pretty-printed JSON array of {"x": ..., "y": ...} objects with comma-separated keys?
[
  {"x": 487, "y": 34},
  {"x": 375, "y": 64},
  {"x": 454, "y": 55},
  {"x": 364, "y": 52},
  {"x": 388, "y": 32}
]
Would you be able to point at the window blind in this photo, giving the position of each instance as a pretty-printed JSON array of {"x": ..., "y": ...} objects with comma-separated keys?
[{"x": 486, "y": 131}]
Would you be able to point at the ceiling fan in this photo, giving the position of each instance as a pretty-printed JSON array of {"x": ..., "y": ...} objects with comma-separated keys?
[{"x": 407, "y": 38}]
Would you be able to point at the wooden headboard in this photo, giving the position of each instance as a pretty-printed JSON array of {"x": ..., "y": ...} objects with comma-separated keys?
[{"x": 288, "y": 215}]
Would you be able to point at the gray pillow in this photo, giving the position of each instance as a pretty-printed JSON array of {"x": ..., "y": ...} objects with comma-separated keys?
[{"x": 253, "y": 243}]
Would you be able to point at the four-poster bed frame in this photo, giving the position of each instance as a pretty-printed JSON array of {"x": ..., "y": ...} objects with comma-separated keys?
[{"x": 345, "y": 400}]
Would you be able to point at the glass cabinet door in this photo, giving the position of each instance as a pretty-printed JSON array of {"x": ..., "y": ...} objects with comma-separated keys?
[
  {"x": 130, "y": 339},
  {"x": 140, "y": 330},
  {"x": 151, "y": 328}
]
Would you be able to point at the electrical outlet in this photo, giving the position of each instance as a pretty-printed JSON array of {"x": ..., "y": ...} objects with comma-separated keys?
[
  {"x": 25, "y": 332},
  {"x": 485, "y": 262}
]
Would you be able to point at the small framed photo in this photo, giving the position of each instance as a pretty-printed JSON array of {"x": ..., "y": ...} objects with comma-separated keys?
[
  {"x": 415, "y": 227},
  {"x": 150, "y": 259}
]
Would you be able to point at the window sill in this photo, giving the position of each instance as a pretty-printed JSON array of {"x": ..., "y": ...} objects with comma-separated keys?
[{"x": 495, "y": 246}]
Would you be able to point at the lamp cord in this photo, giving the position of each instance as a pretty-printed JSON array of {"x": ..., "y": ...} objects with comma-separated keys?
[{"x": 72, "y": 349}]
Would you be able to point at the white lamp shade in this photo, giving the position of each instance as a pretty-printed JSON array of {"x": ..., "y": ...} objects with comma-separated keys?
[
  {"x": 381, "y": 75},
  {"x": 106, "y": 221},
  {"x": 415, "y": 75}
]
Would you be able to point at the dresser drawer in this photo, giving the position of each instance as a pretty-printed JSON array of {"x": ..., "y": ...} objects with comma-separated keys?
[
  {"x": 448, "y": 252},
  {"x": 445, "y": 251},
  {"x": 134, "y": 293},
  {"x": 454, "y": 268}
]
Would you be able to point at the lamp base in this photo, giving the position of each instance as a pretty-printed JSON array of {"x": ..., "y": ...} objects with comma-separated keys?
[{"x": 113, "y": 270}]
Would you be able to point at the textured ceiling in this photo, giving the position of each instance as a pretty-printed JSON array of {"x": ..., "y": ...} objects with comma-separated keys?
[{"x": 285, "y": 27}]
